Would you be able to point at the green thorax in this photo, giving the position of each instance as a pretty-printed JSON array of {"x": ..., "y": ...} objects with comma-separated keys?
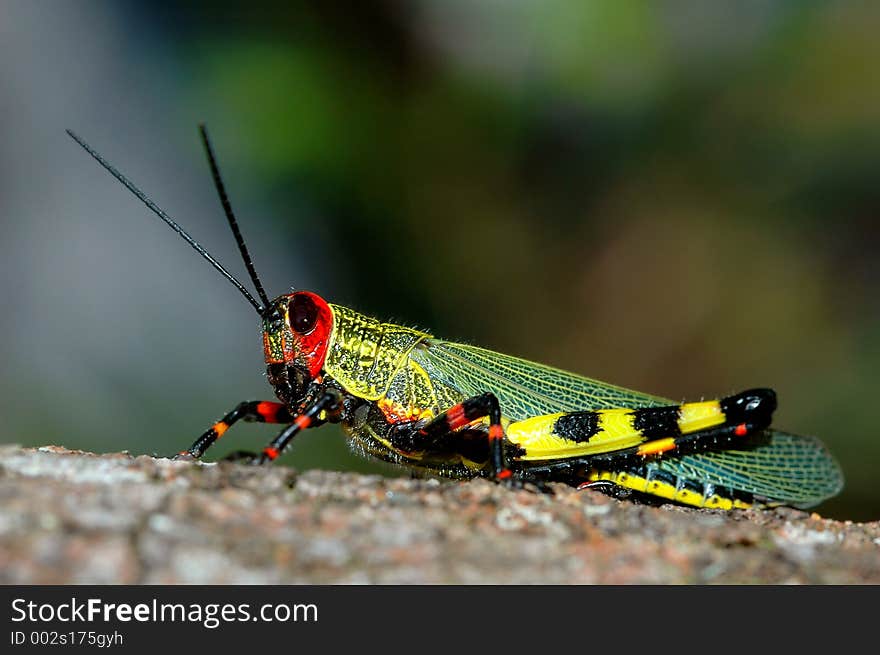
[{"x": 364, "y": 354}]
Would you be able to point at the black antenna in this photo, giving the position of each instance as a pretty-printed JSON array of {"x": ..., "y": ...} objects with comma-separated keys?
[
  {"x": 230, "y": 217},
  {"x": 171, "y": 223}
]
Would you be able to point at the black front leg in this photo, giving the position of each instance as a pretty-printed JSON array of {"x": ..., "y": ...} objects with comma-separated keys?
[
  {"x": 249, "y": 410},
  {"x": 330, "y": 400}
]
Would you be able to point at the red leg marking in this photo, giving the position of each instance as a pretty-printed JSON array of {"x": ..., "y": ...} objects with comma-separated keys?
[
  {"x": 455, "y": 417},
  {"x": 268, "y": 411}
]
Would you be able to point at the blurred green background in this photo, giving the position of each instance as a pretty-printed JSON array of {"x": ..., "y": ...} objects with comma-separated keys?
[{"x": 679, "y": 197}]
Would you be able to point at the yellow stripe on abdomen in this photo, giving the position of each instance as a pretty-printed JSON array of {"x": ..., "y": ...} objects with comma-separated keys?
[
  {"x": 694, "y": 417},
  {"x": 540, "y": 439}
]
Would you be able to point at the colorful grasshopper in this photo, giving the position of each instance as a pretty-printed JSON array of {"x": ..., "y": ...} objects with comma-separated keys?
[{"x": 405, "y": 396}]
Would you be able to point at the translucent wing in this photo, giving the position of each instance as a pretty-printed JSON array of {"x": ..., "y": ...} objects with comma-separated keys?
[
  {"x": 788, "y": 469},
  {"x": 523, "y": 388}
]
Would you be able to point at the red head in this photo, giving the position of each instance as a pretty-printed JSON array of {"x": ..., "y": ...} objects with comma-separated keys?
[{"x": 296, "y": 331}]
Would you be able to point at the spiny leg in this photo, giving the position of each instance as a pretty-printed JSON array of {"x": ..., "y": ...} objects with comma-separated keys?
[{"x": 250, "y": 410}]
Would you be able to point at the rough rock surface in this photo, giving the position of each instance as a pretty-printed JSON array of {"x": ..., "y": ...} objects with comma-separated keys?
[{"x": 75, "y": 517}]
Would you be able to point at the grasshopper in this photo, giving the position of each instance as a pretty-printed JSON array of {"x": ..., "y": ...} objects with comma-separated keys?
[{"x": 455, "y": 410}]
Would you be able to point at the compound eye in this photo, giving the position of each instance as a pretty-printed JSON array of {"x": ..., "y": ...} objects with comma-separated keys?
[{"x": 302, "y": 313}]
